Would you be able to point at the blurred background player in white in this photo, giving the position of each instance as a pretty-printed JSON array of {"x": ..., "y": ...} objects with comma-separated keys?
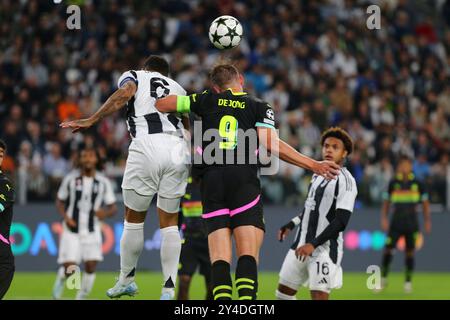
[
  {"x": 84, "y": 198},
  {"x": 315, "y": 257},
  {"x": 152, "y": 167}
]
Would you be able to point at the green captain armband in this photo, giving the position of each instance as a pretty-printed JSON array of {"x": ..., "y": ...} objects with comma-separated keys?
[{"x": 183, "y": 104}]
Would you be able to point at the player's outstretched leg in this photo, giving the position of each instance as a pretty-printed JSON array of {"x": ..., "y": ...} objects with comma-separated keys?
[
  {"x": 248, "y": 242},
  {"x": 219, "y": 242},
  {"x": 170, "y": 245},
  {"x": 246, "y": 280},
  {"x": 131, "y": 245}
]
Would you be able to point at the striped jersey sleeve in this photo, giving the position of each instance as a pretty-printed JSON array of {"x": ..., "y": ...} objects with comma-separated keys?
[
  {"x": 127, "y": 76},
  {"x": 347, "y": 191}
]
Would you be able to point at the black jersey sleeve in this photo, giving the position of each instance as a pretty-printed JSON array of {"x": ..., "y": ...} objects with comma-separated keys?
[
  {"x": 198, "y": 103},
  {"x": 6, "y": 194},
  {"x": 265, "y": 116}
]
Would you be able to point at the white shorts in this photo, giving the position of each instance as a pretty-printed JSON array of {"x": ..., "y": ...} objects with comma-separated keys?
[
  {"x": 157, "y": 163},
  {"x": 317, "y": 272},
  {"x": 74, "y": 247}
]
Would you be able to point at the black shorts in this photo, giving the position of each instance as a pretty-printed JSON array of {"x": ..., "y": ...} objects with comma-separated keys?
[
  {"x": 395, "y": 233},
  {"x": 194, "y": 252},
  {"x": 231, "y": 198}
]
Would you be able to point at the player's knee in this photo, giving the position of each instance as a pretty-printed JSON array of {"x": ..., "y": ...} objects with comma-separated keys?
[
  {"x": 319, "y": 295},
  {"x": 133, "y": 216},
  {"x": 168, "y": 205},
  {"x": 90, "y": 267},
  {"x": 185, "y": 281},
  {"x": 281, "y": 293},
  {"x": 136, "y": 202}
]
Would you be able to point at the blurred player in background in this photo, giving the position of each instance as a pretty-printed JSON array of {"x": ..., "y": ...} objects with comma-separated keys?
[
  {"x": 194, "y": 251},
  {"x": 6, "y": 214},
  {"x": 230, "y": 191},
  {"x": 405, "y": 193},
  {"x": 84, "y": 198},
  {"x": 150, "y": 169},
  {"x": 315, "y": 257}
]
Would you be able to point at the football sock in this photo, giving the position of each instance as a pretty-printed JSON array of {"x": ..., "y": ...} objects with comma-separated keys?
[
  {"x": 61, "y": 274},
  {"x": 221, "y": 280},
  {"x": 131, "y": 245},
  {"x": 283, "y": 296},
  {"x": 246, "y": 278},
  {"x": 387, "y": 258},
  {"x": 409, "y": 263},
  {"x": 87, "y": 282},
  {"x": 170, "y": 255}
]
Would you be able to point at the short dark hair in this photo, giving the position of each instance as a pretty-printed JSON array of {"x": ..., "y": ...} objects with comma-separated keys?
[
  {"x": 158, "y": 64},
  {"x": 338, "y": 133},
  {"x": 2, "y": 145},
  {"x": 222, "y": 74},
  {"x": 95, "y": 148}
]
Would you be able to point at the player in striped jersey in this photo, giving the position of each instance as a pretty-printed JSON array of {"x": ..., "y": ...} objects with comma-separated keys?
[
  {"x": 314, "y": 259},
  {"x": 84, "y": 197},
  {"x": 154, "y": 165}
]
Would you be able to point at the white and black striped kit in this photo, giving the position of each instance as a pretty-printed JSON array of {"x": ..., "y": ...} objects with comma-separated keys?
[
  {"x": 83, "y": 196},
  {"x": 142, "y": 116},
  {"x": 324, "y": 198}
]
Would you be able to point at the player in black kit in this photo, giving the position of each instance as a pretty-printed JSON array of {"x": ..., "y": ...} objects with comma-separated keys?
[
  {"x": 233, "y": 125},
  {"x": 6, "y": 214},
  {"x": 194, "y": 251}
]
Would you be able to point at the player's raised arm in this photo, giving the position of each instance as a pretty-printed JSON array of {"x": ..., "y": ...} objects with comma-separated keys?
[
  {"x": 115, "y": 102},
  {"x": 270, "y": 140},
  {"x": 168, "y": 104}
]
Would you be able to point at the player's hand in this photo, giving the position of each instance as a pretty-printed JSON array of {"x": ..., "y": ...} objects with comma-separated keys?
[
  {"x": 101, "y": 214},
  {"x": 304, "y": 251},
  {"x": 284, "y": 230},
  {"x": 77, "y": 125},
  {"x": 327, "y": 169},
  {"x": 427, "y": 226},
  {"x": 384, "y": 224},
  {"x": 70, "y": 222}
]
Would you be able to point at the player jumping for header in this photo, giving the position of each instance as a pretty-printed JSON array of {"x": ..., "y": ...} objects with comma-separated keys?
[{"x": 231, "y": 189}]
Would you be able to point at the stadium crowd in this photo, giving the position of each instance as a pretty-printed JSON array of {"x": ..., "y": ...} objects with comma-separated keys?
[{"x": 315, "y": 62}]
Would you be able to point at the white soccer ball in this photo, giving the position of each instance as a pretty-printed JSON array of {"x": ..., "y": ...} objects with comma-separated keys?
[{"x": 225, "y": 32}]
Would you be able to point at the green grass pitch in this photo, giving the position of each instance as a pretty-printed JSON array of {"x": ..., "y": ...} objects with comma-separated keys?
[{"x": 26, "y": 286}]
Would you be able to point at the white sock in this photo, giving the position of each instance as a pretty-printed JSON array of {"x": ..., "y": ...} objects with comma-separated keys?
[
  {"x": 283, "y": 296},
  {"x": 87, "y": 282},
  {"x": 170, "y": 253},
  {"x": 131, "y": 245},
  {"x": 61, "y": 274},
  {"x": 58, "y": 287}
]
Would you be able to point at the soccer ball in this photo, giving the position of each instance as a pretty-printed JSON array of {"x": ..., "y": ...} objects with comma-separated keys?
[{"x": 225, "y": 32}]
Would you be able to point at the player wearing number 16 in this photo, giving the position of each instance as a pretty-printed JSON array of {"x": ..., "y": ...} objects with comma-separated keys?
[{"x": 231, "y": 189}]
